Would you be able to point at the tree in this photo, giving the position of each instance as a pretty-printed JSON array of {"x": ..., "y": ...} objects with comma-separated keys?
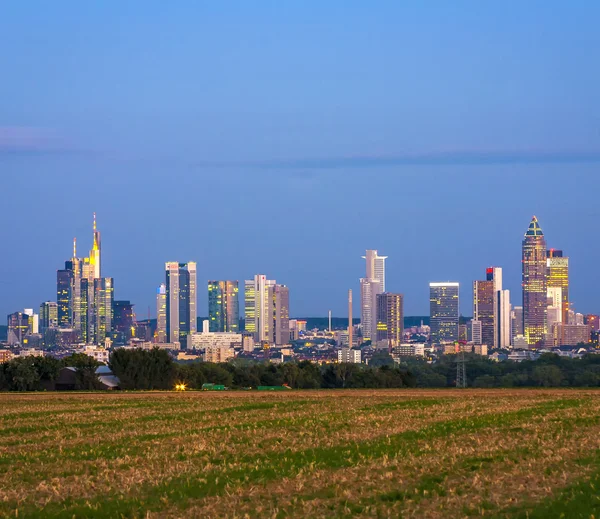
[
  {"x": 547, "y": 375},
  {"x": 22, "y": 374},
  {"x": 85, "y": 374}
]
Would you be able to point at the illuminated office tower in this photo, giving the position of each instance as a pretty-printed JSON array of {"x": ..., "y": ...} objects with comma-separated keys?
[
  {"x": 375, "y": 267},
  {"x": 279, "y": 301},
  {"x": 558, "y": 277},
  {"x": 369, "y": 289},
  {"x": 484, "y": 310},
  {"x": 48, "y": 316},
  {"x": 444, "y": 311},
  {"x": 103, "y": 309},
  {"x": 123, "y": 320},
  {"x": 534, "y": 284},
  {"x": 390, "y": 318},
  {"x": 181, "y": 301},
  {"x": 64, "y": 298},
  {"x": 223, "y": 306},
  {"x": 161, "y": 314},
  {"x": 259, "y": 321}
]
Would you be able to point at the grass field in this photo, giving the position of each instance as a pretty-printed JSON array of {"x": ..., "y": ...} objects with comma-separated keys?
[{"x": 404, "y": 453}]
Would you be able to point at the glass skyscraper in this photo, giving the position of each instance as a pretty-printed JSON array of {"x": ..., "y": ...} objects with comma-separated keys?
[
  {"x": 390, "y": 318},
  {"x": 64, "y": 297},
  {"x": 558, "y": 277},
  {"x": 535, "y": 296},
  {"x": 181, "y": 301},
  {"x": 223, "y": 306},
  {"x": 443, "y": 311}
]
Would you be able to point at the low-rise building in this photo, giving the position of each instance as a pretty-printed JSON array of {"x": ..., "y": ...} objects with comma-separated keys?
[
  {"x": 201, "y": 341},
  {"x": 346, "y": 355},
  {"x": 218, "y": 353},
  {"x": 5, "y": 356},
  {"x": 31, "y": 352},
  {"x": 98, "y": 353}
]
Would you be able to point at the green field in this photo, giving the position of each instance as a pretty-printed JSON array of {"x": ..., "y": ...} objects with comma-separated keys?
[{"x": 380, "y": 453}]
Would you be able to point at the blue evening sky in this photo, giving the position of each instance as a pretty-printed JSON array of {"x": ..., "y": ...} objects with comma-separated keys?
[{"x": 286, "y": 137}]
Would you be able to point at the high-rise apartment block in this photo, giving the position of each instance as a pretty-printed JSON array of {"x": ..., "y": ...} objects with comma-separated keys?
[
  {"x": 534, "y": 284},
  {"x": 223, "y": 306},
  {"x": 444, "y": 311}
]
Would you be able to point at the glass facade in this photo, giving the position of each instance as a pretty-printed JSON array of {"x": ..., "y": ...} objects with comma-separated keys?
[
  {"x": 558, "y": 277},
  {"x": 444, "y": 311},
  {"x": 180, "y": 301},
  {"x": 484, "y": 310},
  {"x": 103, "y": 308},
  {"x": 223, "y": 306},
  {"x": 534, "y": 284},
  {"x": 123, "y": 321},
  {"x": 64, "y": 298},
  {"x": 390, "y": 318}
]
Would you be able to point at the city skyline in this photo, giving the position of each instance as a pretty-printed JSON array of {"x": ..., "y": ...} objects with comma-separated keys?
[{"x": 202, "y": 305}]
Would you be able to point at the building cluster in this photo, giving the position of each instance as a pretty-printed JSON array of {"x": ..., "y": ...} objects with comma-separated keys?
[
  {"x": 545, "y": 319},
  {"x": 86, "y": 317}
]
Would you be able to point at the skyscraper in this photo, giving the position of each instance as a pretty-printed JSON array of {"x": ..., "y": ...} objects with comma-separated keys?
[
  {"x": 103, "y": 309},
  {"x": 390, "y": 318},
  {"x": 95, "y": 252},
  {"x": 161, "y": 314},
  {"x": 444, "y": 311},
  {"x": 534, "y": 284},
  {"x": 371, "y": 285},
  {"x": 491, "y": 308},
  {"x": 223, "y": 306},
  {"x": 123, "y": 325},
  {"x": 484, "y": 310},
  {"x": 48, "y": 316},
  {"x": 375, "y": 267},
  {"x": 258, "y": 320},
  {"x": 558, "y": 277},
  {"x": 64, "y": 298},
  {"x": 369, "y": 289},
  {"x": 181, "y": 301},
  {"x": 279, "y": 299}
]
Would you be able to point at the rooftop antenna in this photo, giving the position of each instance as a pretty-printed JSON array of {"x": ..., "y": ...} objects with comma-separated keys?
[{"x": 74, "y": 247}]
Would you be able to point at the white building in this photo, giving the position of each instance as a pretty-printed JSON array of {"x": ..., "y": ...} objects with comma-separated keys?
[
  {"x": 369, "y": 288},
  {"x": 201, "y": 341},
  {"x": 504, "y": 319},
  {"x": 346, "y": 355},
  {"x": 375, "y": 267},
  {"x": 31, "y": 352},
  {"x": 96, "y": 352}
]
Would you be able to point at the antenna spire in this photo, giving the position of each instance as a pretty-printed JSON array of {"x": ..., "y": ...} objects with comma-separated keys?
[
  {"x": 94, "y": 222},
  {"x": 74, "y": 247}
]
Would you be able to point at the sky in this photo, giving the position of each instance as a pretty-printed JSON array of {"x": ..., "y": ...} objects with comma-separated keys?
[{"x": 286, "y": 137}]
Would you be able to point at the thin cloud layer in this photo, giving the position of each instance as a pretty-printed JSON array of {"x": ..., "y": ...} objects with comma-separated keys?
[
  {"x": 441, "y": 159},
  {"x": 28, "y": 139}
]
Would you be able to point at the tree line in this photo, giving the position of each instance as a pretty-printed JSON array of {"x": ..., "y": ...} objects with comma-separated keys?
[
  {"x": 549, "y": 370},
  {"x": 155, "y": 369}
]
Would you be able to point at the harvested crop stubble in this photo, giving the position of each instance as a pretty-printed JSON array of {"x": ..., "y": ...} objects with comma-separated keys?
[{"x": 414, "y": 453}]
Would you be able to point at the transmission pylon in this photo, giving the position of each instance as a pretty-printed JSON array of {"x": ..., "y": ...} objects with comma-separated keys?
[{"x": 461, "y": 369}]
